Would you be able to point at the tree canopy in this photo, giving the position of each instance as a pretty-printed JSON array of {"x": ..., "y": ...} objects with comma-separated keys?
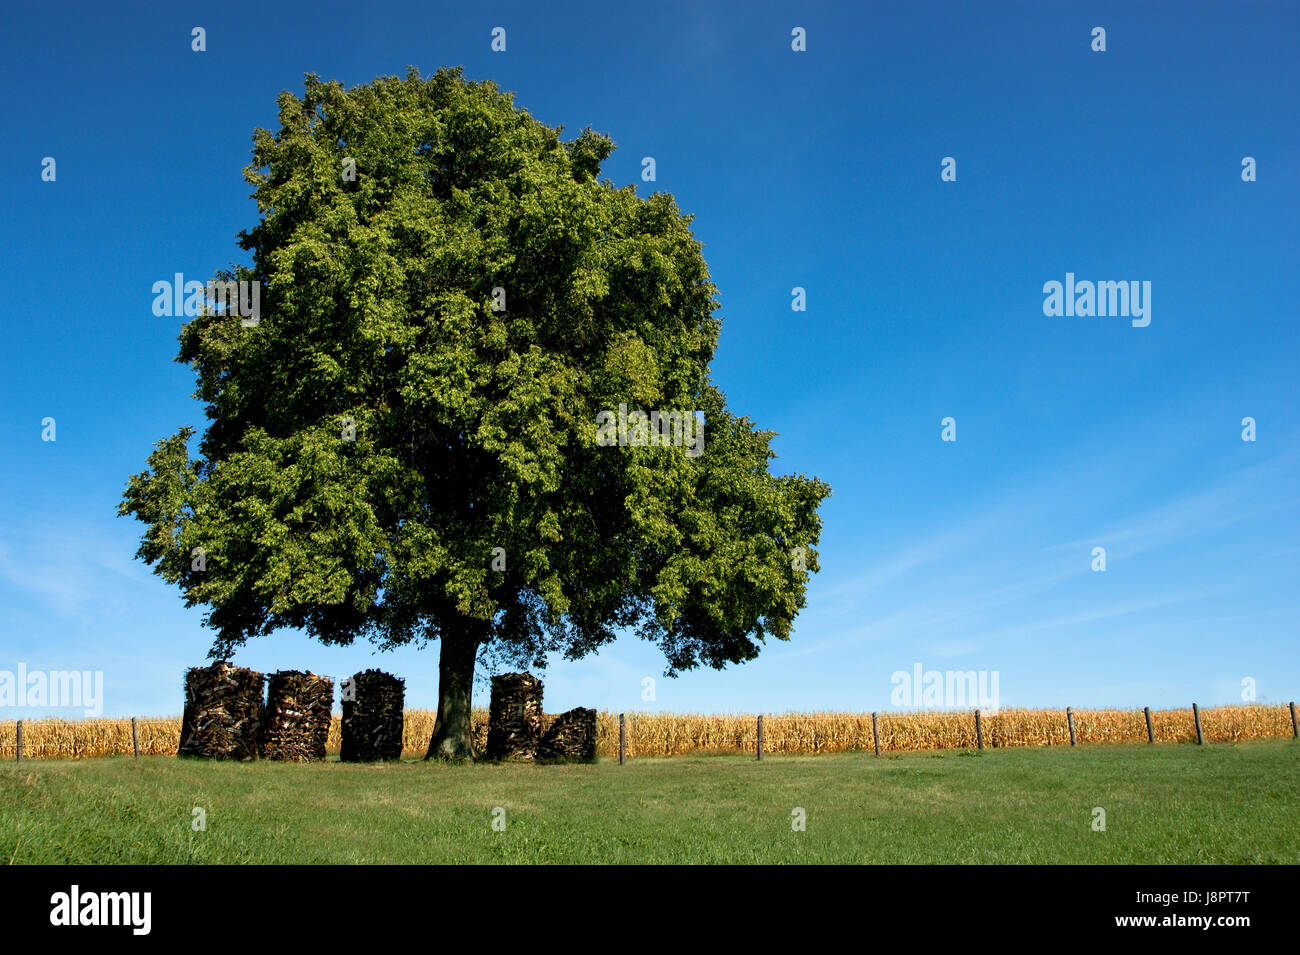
[{"x": 404, "y": 446}]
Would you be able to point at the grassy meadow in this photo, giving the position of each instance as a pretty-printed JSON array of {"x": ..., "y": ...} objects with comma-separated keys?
[{"x": 1232, "y": 803}]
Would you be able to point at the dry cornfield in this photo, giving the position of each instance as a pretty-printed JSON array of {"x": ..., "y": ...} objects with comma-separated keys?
[{"x": 676, "y": 734}]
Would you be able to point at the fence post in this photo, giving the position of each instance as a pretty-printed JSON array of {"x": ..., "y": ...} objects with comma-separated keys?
[
  {"x": 875, "y": 730},
  {"x": 135, "y": 739},
  {"x": 979, "y": 731},
  {"x": 1196, "y": 715},
  {"x": 1151, "y": 734},
  {"x": 20, "y": 742},
  {"x": 1295, "y": 727},
  {"x": 760, "y": 735},
  {"x": 622, "y": 739},
  {"x": 1069, "y": 718}
]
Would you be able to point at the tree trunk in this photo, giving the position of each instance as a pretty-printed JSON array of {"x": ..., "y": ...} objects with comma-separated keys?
[{"x": 452, "y": 738}]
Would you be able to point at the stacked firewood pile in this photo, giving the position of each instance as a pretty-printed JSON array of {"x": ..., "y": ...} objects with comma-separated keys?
[
  {"x": 571, "y": 736},
  {"x": 372, "y": 717},
  {"x": 223, "y": 712},
  {"x": 226, "y": 718},
  {"x": 514, "y": 716},
  {"x": 297, "y": 722}
]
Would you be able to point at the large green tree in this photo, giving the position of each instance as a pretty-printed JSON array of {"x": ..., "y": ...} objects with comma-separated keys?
[{"x": 394, "y": 455}]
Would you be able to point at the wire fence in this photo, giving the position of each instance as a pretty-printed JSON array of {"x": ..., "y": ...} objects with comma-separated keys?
[{"x": 649, "y": 734}]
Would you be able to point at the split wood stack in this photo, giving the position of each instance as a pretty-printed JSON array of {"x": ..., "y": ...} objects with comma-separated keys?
[
  {"x": 223, "y": 712},
  {"x": 372, "y": 720},
  {"x": 514, "y": 716},
  {"x": 571, "y": 736},
  {"x": 298, "y": 710}
]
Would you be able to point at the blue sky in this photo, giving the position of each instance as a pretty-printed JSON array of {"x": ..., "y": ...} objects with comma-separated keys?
[{"x": 818, "y": 169}]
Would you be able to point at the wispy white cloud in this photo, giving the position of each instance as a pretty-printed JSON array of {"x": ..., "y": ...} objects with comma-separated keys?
[
  {"x": 70, "y": 575},
  {"x": 1230, "y": 501},
  {"x": 941, "y": 590}
]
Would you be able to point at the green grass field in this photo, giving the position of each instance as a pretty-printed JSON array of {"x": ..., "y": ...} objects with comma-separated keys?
[{"x": 1164, "y": 804}]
